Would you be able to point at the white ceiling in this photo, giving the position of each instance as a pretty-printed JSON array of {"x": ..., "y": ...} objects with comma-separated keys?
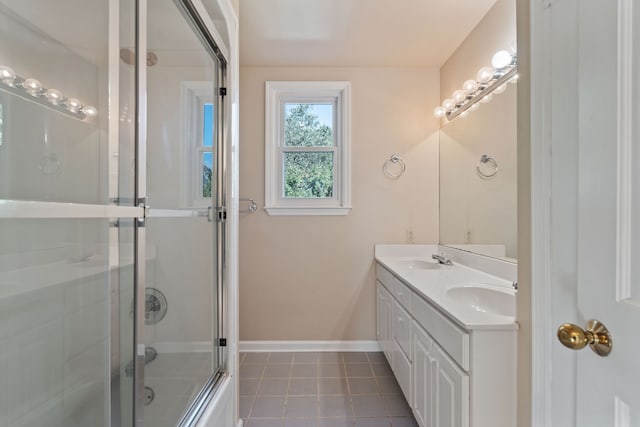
[{"x": 355, "y": 33}]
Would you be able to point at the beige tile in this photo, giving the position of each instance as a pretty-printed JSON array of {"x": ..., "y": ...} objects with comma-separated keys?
[
  {"x": 397, "y": 406},
  {"x": 355, "y": 357},
  {"x": 377, "y": 357},
  {"x": 283, "y": 357},
  {"x": 331, "y": 370},
  {"x": 388, "y": 385},
  {"x": 251, "y": 371},
  {"x": 248, "y": 387},
  {"x": 304, "y": 371},
  {"x": 267, "y": 407},
  {"x": 273, "y": 387},
  {"x": 368, "y": 406},
  {"x": 359, "y": 370},
  {"x": 363, "y": 386},
  {"x": 255, "y": 358},
  {"x": 301, "y": 422},
  {"x": 334, "y": 406},
  {"x": 245, "y": 406},
  {"x": 277, "y": 371},
  {"x": 306, "y": 357},
  {"x": 403, "y": 422},
  {"x": 381, "y": 370},
  {"x": 336, "y": 422},
  {"x": 301, "y": 407},
  {"x": 303, "y": 387},
  {"x": 264, "y": 423},
  {"x": 333, "y": 386},
  {"x": 330, "y": 357},
  {"x": 373, "y": 422}
]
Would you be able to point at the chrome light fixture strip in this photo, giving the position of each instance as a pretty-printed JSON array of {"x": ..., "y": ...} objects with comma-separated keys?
[
  {"x": 49, "y": 98},
  {"x": 481, "y": 93}
]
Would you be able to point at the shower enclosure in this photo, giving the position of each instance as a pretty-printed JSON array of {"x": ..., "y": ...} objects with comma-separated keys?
[{"x": 112, "y": 212}]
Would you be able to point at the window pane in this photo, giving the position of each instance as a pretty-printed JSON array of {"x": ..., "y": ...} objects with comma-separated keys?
[
  {"x": 308, "y": 175},
  {"x": 308, "y": 125},
  {"x": 207, "y": 133},
  {"x": 207, "y": 167}
]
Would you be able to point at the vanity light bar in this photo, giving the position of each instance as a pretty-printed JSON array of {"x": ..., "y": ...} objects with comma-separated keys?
[
  {"x": 33, "y": 90},
  {"x": 490, "y": 80}
]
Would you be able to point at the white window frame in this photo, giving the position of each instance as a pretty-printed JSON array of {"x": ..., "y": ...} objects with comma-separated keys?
[
  {"x": 337, "y": 93},
  {"x": 195, "y": 94}
]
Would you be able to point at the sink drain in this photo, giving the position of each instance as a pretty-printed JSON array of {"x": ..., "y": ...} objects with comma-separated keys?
[{"x": 149, "y": 394}]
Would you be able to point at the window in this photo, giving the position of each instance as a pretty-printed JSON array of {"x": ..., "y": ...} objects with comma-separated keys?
[
  {"x": 199, "y": 118},
  {"x": 307, "y": 152}
]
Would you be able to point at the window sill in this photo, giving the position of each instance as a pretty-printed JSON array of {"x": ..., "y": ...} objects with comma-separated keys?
[{"x": 305, "y": 210}]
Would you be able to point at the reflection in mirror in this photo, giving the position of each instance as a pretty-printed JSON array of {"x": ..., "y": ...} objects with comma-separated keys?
[{"x": 477, "y": 207}]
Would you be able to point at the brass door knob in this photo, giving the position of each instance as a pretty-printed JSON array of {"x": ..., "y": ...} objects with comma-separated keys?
[{"x": 596, "y": 336}]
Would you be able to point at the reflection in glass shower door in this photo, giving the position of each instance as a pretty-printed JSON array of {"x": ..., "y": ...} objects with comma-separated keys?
[
  {"x": 181, "y": 232},
  {"x": 66, "y": 213}
]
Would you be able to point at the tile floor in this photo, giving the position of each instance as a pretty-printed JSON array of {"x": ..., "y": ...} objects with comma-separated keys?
[{"x": 321, "y": 390}]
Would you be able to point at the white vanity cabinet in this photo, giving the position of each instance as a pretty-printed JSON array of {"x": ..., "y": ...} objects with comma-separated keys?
[{"x": 452, "y": 376}]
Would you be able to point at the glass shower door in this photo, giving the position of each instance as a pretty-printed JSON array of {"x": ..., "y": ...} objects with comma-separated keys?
[
  {"x": 181, "y": 237},
  {"x": 66, "y": 206}
]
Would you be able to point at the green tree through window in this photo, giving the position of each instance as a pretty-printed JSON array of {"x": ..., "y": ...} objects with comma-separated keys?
[{"x": 307, "y": 174}]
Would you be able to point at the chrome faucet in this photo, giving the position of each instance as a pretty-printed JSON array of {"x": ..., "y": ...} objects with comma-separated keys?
[{"x": 442, "y": 259}]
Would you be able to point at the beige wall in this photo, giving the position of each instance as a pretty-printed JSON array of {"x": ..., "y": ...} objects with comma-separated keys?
[
  {"x": 312, "y": 277},
  {"x": 496, "y": 31}
]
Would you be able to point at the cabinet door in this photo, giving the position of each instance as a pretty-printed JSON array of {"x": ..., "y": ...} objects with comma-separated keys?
[
  {"x": 383, "y": 320},
  {"x": 450, "y": 392},
  {"x": 423, "y": 378},
  {"x": 401, "y": 328},
  {"x": 380, "y": 314},
  {"x": 388, "y": 338}
]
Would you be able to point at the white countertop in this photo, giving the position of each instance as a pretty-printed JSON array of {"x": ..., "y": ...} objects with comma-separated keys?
[{"x": 432, "y": 285}]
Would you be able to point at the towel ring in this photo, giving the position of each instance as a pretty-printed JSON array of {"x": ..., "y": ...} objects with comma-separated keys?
[
  {"x": 486, "y": 159},
  {"x": 394, "y": 159}
]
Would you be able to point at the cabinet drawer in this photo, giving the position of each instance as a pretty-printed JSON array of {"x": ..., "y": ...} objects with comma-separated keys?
[
  {"x": 402, "y": 328},
  {"x": 402, "y": 370},
  {"x": 402, "y": 293},
  {"x": 453, "y": 339},
  {"x": 385, "y": 277}
]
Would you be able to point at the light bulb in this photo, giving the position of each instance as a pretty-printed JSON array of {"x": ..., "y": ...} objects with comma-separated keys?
[
  {"x": 459, "y": 96},
  {"x": 474, "y": 107},
  {"x": 54, "y": 96},
  {"x": 448, "y": 104},
  {"x": 501, "y": 59},
  {"x": 500, "y": 89},
  {"x": 439, "y": 112},
  {"x": 7, "y": 75},
  {"x": 73, "y": 105},
  {"x": 32, "y": 86},
  {"x": 485, "y": 74},
  {"x": 487, "y": 98},
  {"x": 90, "y": 110},
  {"x": 470, "y": 86},
  {"x": 515, "y": 78}
]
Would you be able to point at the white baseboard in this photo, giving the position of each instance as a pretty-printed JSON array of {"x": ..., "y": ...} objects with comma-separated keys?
[{"x": 301, "y": 346}]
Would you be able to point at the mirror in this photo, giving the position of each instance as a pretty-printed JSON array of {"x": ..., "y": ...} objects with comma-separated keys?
[{"x": 478, "y": 209}]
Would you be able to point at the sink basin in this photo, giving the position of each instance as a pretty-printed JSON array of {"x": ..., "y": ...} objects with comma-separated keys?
[
  {"x": 485, "y": 298},
  {"x": 420, "y": 264}
]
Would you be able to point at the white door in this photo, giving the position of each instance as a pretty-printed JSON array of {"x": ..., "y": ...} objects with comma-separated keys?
[{"x": 587, "y": 250}]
